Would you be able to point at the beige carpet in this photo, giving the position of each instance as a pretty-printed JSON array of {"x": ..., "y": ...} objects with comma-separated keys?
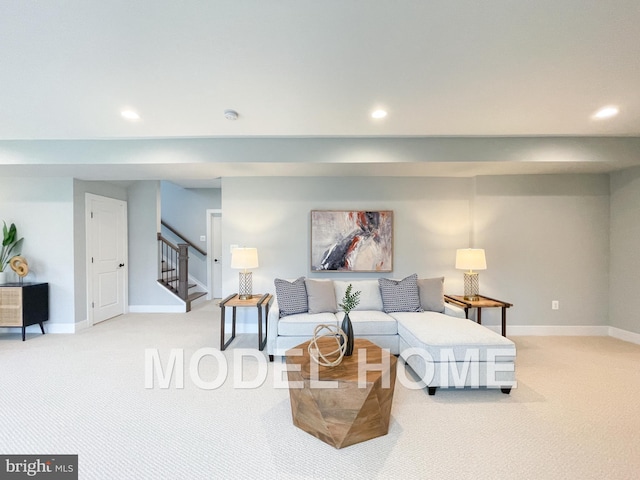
[{"x": 574, "y": 415}]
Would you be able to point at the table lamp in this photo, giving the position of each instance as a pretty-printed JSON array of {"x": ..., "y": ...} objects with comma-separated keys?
[
  {"x": 471, "y": 259},
  {"x": 244, "y": 258}
]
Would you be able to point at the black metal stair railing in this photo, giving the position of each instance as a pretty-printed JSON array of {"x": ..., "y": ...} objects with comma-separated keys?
[{"x": 174, "y": 266}]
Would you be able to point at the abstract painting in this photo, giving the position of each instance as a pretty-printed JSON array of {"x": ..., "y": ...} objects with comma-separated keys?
[{"x": 351, "y": 241}]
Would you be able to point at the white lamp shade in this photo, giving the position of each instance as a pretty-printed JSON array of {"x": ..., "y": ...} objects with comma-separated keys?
[
  {"x": 471, "y": 259},
  {"x": 244, "y": 258}
]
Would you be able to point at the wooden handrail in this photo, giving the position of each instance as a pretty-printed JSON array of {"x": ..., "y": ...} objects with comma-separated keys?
[
  {"x": 186, "y": 240},
  {"x": 160, "y": 237}
]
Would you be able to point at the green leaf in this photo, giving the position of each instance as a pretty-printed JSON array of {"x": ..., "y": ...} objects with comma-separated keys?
[
  {"x": 350, "y": 301},
  {"x": 10, "y": 246},
  {"x": 10, "y": 235}
]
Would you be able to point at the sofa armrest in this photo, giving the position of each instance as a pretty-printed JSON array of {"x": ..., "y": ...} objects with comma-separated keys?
[
  {"x": 272, "y": 327},
  {"x": 454, "y": 310}
]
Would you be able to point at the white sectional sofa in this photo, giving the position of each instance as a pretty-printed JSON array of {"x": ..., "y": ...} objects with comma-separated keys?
[{"x": 409, "y": 317}]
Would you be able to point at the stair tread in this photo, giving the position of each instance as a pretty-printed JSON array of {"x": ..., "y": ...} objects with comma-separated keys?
[
  {"x": 167, "y": 286},
  {"x": 175, "y": 279},
  {"x": 194, "y": 295}
]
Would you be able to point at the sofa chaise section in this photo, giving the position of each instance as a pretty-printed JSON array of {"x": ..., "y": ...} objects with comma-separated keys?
[
  {"x": 455, "y": 352},
  {"x": 436, "y": 340}
]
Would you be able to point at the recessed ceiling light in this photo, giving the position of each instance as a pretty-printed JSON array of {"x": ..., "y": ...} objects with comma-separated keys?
[
  {"x": 606, "y": 112},
  {"x": 379, "y": 114},
  {"x": 130, "y": 115}
]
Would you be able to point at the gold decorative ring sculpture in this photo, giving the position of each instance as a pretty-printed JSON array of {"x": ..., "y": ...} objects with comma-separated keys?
[
  {"x": 19, "y": 265},
  {"x": 322, "y": 358}
]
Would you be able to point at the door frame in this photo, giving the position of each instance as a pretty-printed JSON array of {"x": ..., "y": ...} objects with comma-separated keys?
[
  {"x": 211, "y": 212},
  {"x": 89, "y": 250}
]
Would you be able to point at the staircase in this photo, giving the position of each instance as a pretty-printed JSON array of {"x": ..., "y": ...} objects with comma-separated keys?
[{"x": 173, "y": 267}]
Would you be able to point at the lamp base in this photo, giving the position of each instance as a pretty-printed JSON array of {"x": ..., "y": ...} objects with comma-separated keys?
[
  {"x": 245, "y": 287},
  {"x": 471, "y": 286}
]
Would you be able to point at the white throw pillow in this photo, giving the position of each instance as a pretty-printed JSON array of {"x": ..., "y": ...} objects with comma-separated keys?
[{"x": 370, "y": 298}]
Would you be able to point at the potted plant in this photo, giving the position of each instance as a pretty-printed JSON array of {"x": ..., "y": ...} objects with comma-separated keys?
[
  {"x": 349, "y": 302},
  {"x": 11, "y": 246}
]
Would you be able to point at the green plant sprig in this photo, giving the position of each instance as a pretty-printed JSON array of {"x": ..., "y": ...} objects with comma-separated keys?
[
  {"x": 350, "y": 300},
  {"x": 10, "y": 246}
]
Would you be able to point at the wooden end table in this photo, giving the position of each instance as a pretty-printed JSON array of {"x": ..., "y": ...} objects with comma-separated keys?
[
  {"x": 261, "y": 301},
  {"x": 352, "y": 412},
  {"x": 479, "y": 304}
]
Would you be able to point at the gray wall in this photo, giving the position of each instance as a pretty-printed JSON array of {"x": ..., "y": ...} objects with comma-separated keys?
[
  {"x": 571, "y": 230},
  {"x": 273, "y": 214},
  {"x": 546, "y": 237},
  {"x": 42, "y": 209},
  {"x": 185, "y": 210},
  {"x": 143, "y": 223},
  {"x": 625, "y": 259}
]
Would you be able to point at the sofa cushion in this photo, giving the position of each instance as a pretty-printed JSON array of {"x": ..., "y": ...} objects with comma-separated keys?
[
  {"x": 292, "y": 296},
  {"x": 303, "y": 324},
  {"x": 431, "y": 292},
  {"x": 370, "y": 322},
  {"x": 400, "y": 295},
  {"x": 321, "y": 296},
  {"x": 370, "y": 298},
  {"x": 442, "y": 336}
]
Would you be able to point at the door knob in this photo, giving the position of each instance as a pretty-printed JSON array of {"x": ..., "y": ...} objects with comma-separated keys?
[{"x": 121, "y": 265}]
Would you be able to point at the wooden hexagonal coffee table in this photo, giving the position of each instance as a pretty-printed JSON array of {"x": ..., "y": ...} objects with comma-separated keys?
[{"x": 352, "y": 411}]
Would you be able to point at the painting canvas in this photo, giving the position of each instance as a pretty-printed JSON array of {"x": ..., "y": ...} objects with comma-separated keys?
[{"x": 351, "y": 241}]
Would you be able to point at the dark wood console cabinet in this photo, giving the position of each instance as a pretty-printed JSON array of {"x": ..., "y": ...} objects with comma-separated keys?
[{"x": 24, "y": 304}]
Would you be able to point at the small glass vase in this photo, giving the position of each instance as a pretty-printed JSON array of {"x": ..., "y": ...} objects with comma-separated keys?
[{"x": 347, "y": 328}]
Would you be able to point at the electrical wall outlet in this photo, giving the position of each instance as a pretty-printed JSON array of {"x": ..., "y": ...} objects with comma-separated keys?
[
  {"x": 203, "y": 238},
  {"x": 555, "y": 305}
]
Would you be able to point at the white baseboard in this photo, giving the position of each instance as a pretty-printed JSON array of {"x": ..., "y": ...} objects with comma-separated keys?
[
  {"x": 556, "y": 330},
  {"x": 625, "y": 335},
  {"x": 82, "y": 325},
  {"x": 57, "y": 328},
  {"x": 251, "y": 327},
  {"x": 48, "y": 328},
  {"x": 157, "y": 308}
]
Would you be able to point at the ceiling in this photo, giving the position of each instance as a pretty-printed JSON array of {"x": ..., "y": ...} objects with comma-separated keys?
[{"x": 301, "y": 68}]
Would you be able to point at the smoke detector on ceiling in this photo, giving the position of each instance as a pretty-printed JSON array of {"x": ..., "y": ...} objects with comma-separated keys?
[{"x": 230, "y": 114}]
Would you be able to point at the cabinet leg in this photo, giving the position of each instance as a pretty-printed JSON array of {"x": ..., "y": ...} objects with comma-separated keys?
[
  {"x": 23, "y": 333},
  {"x": 42, "y": 328}
]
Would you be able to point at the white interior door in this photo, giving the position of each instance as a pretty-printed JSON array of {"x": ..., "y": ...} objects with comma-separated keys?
[
  {"x": 216, "y": 260},
  {"x": 107, "y": 257}
]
